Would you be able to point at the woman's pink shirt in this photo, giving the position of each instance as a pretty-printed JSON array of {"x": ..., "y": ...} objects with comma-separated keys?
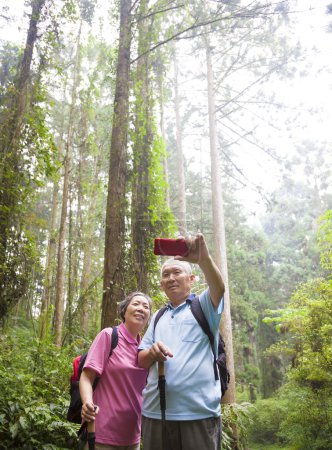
[{"x": 119, "y": 391}]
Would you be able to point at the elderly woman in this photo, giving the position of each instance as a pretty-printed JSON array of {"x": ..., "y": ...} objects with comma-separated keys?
[{"x": 116, "y": 404}]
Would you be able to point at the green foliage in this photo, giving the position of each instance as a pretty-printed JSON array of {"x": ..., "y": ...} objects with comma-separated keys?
[
  {"x": 325, "y": 240},
  {"x": 41, "y": 160},
  {"x": 291, "y": 258},
  {"x": 297, "y": 416},
  {"x": 308, "y": 320},
  {"x": 34, "y": 381},
  {"x": 266, "y": 418},
  {"x": 307, "y": 422},
  {"x": 307, "y": 339},
  {"x": 150, "y": 214},
  {"x": 255, "y": 446},
  {"x": 159, "y": 221},
  {"x": 9, "y": 55},
  {"x": 290, "y": 227},
  {"x": 249, "y": 291},
  {"x": 27, "y": 158},
  {"x": 87, "y": 8},
  {"x": 235, "y": 416}
]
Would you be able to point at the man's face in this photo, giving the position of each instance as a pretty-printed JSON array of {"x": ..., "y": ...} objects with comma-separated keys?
[{"x": 176, "y": 282}]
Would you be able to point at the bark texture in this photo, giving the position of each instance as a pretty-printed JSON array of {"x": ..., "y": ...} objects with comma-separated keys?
[
  {"x": 143, "y": 141},
  {"x": 116, "y": 195},
  {"x": 60, "y": 276},
  {"x": 219, "y": 229},
  {"x": 14, "y": 256},
  {"x": 182, "y": 207}
]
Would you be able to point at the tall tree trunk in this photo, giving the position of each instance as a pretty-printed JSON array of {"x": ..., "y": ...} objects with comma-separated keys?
[
  {"x": 160, "y": 81},
  {"x": 60, "y": 279},
  {"x": 49, "y": 269},
  {"x": 142, "y": 150},
  {"x": 85, "y": 281},
  {"x": 116, "y": 198},
  {"x": 182, "y": 208},
  {"x": 49, "y": 288},
  {"x": 20, "y": 99},
  {"x": 219, "y": 229},
  {"x": 15, "y": 269},
  {"x": 74, "y": 240},
  {"x": 71, "y": 264},
  {"x": 87, "y": 249}
]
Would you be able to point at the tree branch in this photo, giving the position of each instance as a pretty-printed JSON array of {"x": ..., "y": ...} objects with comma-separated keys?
[
  {"x": 250, "y": 184},
  {"x": 153, "y": 13},
  {"x": 255, "y": 144},
  {"x": 241, "y": 15},
  {"x": 258, "y": 80}
]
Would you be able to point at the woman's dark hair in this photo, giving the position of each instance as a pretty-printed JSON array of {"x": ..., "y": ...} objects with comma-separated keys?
[{"x": 124, "y": 304}]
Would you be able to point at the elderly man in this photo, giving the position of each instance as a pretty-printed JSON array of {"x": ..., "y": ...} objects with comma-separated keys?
[{"x": 192, "y": 393}]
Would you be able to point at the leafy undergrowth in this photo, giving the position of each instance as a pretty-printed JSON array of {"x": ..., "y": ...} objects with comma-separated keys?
[{"x": 34, "y": 386}]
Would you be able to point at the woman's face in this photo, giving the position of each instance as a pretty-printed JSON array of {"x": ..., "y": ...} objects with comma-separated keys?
[{"x": 138, "y": 311}]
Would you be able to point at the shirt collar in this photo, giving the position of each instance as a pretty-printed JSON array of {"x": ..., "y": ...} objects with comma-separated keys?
[
  {"x": 189, "y": 299},
  {"x": 127, "y": 336}
]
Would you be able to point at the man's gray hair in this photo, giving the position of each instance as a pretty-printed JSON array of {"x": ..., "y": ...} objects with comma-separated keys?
[
  {"x": 176, "y": 262},
  {"x": 124, "y": 304}
]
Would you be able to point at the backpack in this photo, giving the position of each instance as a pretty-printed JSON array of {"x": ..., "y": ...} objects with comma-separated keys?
[
  {"x": 219, "y": 361},
  {"x": 74, "y": 410}
]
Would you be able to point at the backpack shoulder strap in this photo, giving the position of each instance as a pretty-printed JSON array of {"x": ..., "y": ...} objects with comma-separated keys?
[
  {"x": 198, "y": 313},
  {"x": 81, "y": 364},
  {"x": 114, "y": 340},
  {"x": 158, "y": 315},
  {"x": 114, "y": 343}
]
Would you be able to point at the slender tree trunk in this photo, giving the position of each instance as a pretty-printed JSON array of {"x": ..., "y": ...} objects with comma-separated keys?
[
  {"x": 116, "y": 195},
  {"x": 74, "y": 242},
  {"x": 50, "y": 258},
  {"x": 20, "y": 99},
  {"x": 85, "y": 226},
  {"x": 182, "y": 208},
  {"x": 71, "y": 265},
  {"x": 85, "y": 280},
  {"x": 60, "y": 279},
  {"x": 49, "y": 289},
  {"x": 219, "y": 229},
  {"x": 87, "y": 248},
  {"x": 160, "y": 82}
]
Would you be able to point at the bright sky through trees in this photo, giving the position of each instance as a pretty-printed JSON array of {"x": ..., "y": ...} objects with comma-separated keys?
[
  {"x": 301, "y": 109},
  {"x": 302, "y": 102}
]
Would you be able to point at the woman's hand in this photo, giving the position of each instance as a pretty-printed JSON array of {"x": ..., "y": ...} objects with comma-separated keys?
[{"x": 89, "y": 411}]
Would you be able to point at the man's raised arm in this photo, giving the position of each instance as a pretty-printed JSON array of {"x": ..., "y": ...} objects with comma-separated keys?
[{"x": 199, "y": 254}]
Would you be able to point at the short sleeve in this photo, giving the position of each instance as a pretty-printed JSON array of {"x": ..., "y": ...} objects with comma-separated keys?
[
  {"x": 99, "y": 351},
  {"x": 148, "y": 338},
  {"x": 212, "y": 315}
]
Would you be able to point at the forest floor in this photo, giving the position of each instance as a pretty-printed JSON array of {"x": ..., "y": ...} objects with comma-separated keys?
[{"x": 254, "y": 446}]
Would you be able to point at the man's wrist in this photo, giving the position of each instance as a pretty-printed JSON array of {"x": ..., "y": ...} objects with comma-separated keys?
[
  {"x": 206, "y": 262},
  {"x": 150, "y": 355}
]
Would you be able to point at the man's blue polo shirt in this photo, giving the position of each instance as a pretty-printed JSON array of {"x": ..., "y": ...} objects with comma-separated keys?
[{"x": 191, "y": 389}]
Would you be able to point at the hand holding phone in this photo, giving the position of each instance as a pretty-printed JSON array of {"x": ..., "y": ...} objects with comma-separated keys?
[{"x": 170, "y": 247}]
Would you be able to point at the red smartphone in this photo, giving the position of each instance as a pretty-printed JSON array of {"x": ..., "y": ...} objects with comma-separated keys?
[{"x": 170, "y": 247}]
